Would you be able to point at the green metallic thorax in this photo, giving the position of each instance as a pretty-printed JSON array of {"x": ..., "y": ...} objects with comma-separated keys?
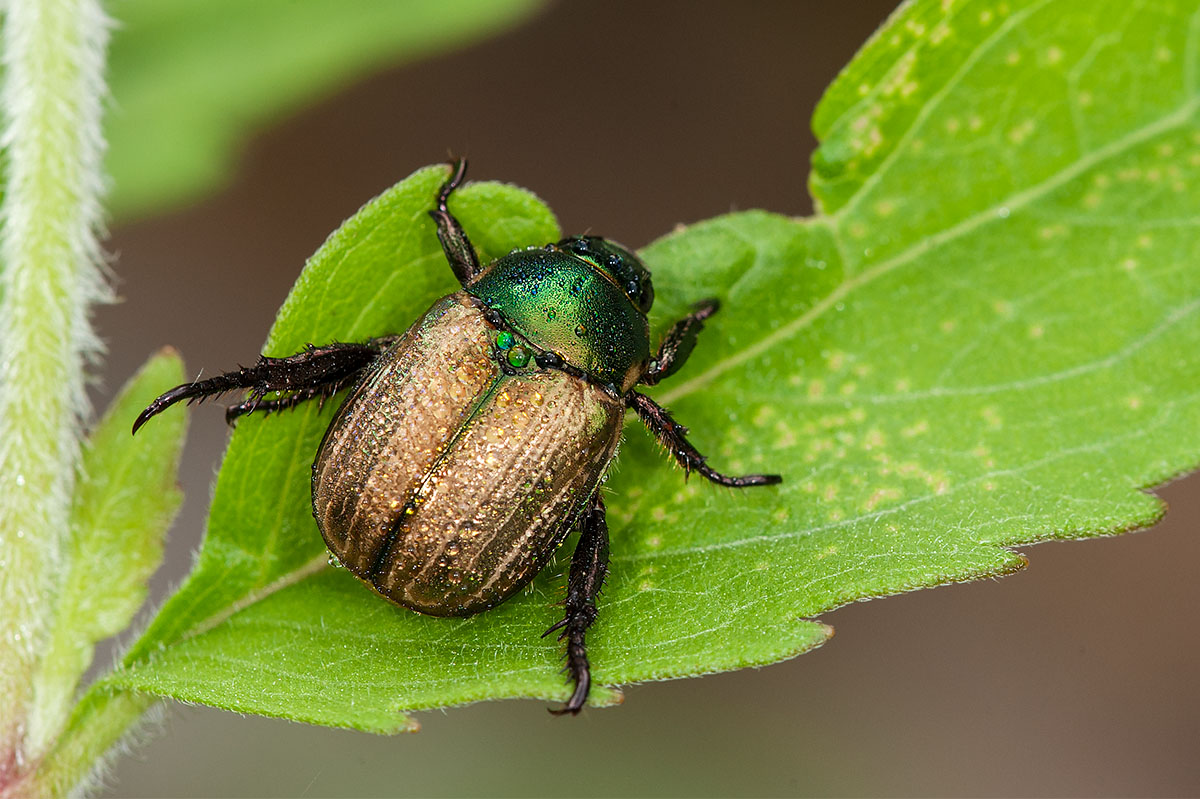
[{"x": 564, "y": 304}]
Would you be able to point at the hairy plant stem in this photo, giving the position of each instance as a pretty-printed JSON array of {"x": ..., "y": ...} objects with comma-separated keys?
[{"x": 50, "y": 274}]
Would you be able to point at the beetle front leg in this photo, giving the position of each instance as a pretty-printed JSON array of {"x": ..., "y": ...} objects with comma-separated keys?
[
  {"x": 315, "y": 372},
  {"x": 455, "y": 244},
  {"x": 256, "y": 403},
  {"x": 589, "y": 566},
  {"x": 679, "y": 342},
  {"x": 671, "y": 434}
]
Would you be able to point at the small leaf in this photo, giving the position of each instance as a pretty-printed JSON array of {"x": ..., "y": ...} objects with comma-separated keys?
[
  {"x": 985, "y": 340},
  {"x": 190, "y": 78},
  {"x": 125, "y": 498}
]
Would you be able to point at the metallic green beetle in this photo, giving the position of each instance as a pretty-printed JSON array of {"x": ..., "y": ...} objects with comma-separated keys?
[{"x": 471, "y": 445}]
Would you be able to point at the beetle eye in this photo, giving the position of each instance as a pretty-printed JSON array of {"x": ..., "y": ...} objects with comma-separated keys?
[
  {"x": 619, "y": 263},
  {"x": 646, "y": 292}
]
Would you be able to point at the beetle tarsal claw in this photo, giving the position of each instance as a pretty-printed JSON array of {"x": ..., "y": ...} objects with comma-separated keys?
[{"x": 557, "y": 626}]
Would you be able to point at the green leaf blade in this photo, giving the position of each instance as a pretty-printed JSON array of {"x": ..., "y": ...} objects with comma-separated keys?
[
  {"x": 125, "y": 498},
  {"x": 985, "y": 343},
  {"x": 992, "y": 105}
]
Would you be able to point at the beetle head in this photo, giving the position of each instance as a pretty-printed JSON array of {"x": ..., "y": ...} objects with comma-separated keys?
[{"x": 625, "y": 268}]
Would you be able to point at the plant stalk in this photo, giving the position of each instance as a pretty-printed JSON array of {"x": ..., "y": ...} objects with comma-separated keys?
[{"x": 50, "y": 274}]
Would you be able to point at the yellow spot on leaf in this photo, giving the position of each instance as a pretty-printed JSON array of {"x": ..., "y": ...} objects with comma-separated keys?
[
  {"x": 826, "y": 552},
  {"x": 880, "y": 496},
  {"x": 1022, "y": 131}
]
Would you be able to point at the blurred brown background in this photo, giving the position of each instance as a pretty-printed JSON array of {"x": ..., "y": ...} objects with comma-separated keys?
[{"x": 1075, "y": 677}]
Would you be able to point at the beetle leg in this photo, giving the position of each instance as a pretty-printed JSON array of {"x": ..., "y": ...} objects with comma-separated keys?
[
  {"x": 589, "y": 566},
  {"x": 317, "y": 371},
  {"x": 677, "y": 345},
  {"x": 256, "y": 403},
  {"x": 455, "y": 244},
  {"x": 671, "y": 434}
]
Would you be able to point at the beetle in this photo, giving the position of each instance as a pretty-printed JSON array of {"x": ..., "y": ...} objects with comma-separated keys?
[{"x": 471, "y": 445}]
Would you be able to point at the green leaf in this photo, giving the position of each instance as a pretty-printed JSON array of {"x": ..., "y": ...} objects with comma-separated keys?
[
  {"x": 125, "y": 498},
  {"x": 984, "y": 341},
  {"x": 191, "y": 78}
]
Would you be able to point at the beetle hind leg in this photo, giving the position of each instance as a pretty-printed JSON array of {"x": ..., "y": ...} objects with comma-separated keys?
[
  {"x": 589, "y": 566},
  {"x": 315, "y": 372},
  {"x": 671, "y": 434}
]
